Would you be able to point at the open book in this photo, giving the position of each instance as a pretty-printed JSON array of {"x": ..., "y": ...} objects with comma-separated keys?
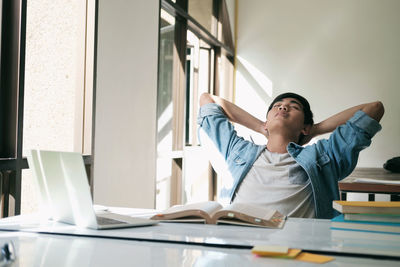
[{"x": 212, "y": 212}]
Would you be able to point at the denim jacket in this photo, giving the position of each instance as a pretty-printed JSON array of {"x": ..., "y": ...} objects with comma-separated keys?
[{"x": 326, "y": 162}]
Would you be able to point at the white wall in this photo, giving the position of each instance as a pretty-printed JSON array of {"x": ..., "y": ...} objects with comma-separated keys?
[
  {"x": 336, "y": 53},
  {"x": 125, "y": 131}
]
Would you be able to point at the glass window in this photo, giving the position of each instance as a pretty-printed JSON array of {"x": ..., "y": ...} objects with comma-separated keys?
[
  {"x": 199, "y": 62},
  {"x": 56, "y": 97},
  {"x": 202, "y": 12},
  {"x": 196, "y": 174},
  {"x": 54, "y": 82},
  {"x": 165, "y": 109},
  {"x": 183, "y": 171}
]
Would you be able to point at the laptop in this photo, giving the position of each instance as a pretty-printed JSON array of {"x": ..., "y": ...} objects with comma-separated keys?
[{"x": 65, "y": 193}]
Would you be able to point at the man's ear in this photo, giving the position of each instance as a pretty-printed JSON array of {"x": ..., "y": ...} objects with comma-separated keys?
[
  {"x": 307, "y": 129},
  {"x": 305, "y": 135}
]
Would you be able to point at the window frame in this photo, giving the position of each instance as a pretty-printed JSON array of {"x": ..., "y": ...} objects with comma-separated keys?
[{"x": 183, "y": 23}]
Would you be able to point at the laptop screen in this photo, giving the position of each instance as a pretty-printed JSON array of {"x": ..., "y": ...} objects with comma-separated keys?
[{"x": 62, "y": 179}]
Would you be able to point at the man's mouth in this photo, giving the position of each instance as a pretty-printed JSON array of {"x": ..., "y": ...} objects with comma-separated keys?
[{"x": 281, "y": 113}]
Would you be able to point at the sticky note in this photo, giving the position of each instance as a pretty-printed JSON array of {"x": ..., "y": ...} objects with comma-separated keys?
[
  {"x": 270, "y": 250},
  {"x": 289, "y": 253},
  {"x": 292, "y": 253},
  {"x": 314, "y": 258}
]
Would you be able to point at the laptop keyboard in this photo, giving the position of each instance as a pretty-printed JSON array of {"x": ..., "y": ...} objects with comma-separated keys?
[{"x": 108, "y": 221}]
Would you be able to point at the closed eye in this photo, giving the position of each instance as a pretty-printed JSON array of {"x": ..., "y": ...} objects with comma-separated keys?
[
  {"x": 295, "y": 107},
  {"x": 295, "y": 104}
]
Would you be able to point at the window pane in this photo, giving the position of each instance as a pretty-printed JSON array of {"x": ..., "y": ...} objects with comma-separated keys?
[
  {"x": 54, "y": 83},
  {"x": 165, "y": 109},
  {"x": 54, "y": 77},
  {"x": 199, "y": 79},
  {"x": 205, "y": 67},
  {"x": 196, "y": 180},
  {"x": 196, "y": 175},
  {"x": 198, "y": 76},
  {"x": 192, "y": 76},
  {"x": 201, "y": 11}
]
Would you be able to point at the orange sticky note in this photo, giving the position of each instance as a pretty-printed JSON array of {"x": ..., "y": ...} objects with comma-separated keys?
[
  {"x": 276, "y": 252},
  {"x": 314, "y": 258},
  {"x": 270, "y": 251},
  {"x": 292, "y": 253}
]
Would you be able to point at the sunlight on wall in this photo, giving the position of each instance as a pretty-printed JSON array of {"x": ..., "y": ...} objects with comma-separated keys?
[
  {"x": 249, "y": 98},
  {"x": 262, "y": 80}
]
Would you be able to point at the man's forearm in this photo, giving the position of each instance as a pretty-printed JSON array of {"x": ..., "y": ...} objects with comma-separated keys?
[
  {"x": 375, "y": 110},
  {"x": 234, "y": 113}
]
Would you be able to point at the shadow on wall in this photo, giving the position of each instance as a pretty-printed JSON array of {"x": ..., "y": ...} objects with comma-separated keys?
[{"x": 259, "y": 81}]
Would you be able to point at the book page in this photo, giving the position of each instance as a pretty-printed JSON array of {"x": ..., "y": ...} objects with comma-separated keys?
[
  {"x": 208, "y": 207},
  {"x": 245, "y": 214},
  {"x": 189, "y": 212},
  {"x": 251, "y": 210}
]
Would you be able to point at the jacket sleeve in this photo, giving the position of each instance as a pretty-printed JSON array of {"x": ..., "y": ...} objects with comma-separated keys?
[
  {"x": 219, "y": 129},
  {"x": 346, "y": 142}
]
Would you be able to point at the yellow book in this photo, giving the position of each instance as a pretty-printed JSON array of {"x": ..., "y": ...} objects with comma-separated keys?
[{"x": 367, "y": 207}]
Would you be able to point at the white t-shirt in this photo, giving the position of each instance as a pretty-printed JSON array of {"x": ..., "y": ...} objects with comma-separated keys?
[{"x": 277, "y": 181}]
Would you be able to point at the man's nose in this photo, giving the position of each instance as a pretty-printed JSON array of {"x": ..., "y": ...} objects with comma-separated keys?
[{"x": 283, "y": 108}]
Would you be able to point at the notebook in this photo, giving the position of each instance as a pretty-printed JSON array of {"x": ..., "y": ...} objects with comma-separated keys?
[{"x": 65, "y": 193}]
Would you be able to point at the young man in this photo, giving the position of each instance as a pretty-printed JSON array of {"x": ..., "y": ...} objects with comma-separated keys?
[{"x": 298, "y": 181}]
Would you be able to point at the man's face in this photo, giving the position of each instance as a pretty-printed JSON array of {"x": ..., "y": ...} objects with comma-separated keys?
[{"x": 286, "y": 117}]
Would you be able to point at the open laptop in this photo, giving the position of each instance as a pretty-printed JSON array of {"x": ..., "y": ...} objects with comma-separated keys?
[{"x": 65, "y": 193}]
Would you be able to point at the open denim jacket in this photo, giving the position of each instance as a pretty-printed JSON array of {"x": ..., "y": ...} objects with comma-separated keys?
[{"x": 326, "y": 162}]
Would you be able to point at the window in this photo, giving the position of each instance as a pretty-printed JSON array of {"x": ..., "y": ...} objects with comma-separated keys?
[
  {"x": 52, "y": 64},
  {"x": 165, "y": 107},
  {"x": 203, "y": 12},
  {"x": 189, "y": 64},
  {"x": 199, "y": 79}
]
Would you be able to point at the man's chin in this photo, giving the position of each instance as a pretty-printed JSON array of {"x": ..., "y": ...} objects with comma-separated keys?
[{"x": 282, "y": 127}]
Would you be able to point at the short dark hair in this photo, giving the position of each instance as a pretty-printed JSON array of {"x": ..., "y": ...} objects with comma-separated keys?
[{"x": 308, "y": 115}]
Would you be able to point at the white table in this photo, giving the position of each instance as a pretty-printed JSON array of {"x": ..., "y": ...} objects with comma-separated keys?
[
  {"x": 43, "y": 250},
  {"x": 179, "y": 239}
]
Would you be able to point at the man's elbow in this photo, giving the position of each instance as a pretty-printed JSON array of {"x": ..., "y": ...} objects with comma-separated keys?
[
  {"x": 380, "y": 109},
  {"x": 375, "y": 110},
  {"x": 205, "y": 98}
]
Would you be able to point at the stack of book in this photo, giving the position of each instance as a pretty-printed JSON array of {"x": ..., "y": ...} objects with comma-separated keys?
[{"x": 369, "y": 216}]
